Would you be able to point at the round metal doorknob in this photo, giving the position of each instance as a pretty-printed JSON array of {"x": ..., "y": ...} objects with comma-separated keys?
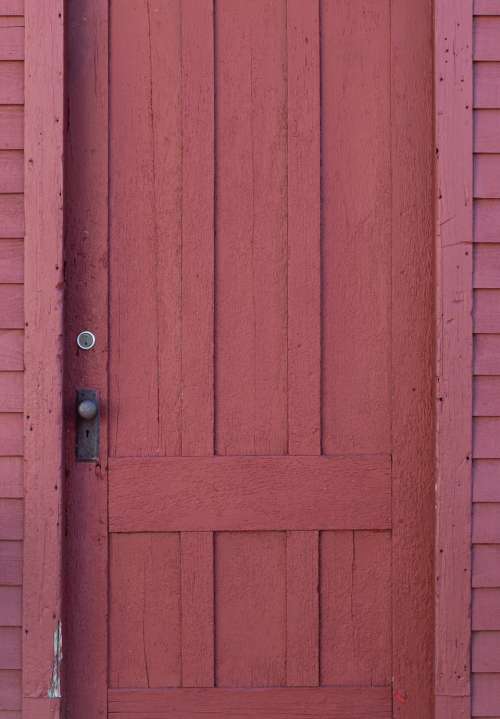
[{"x": 87, "y": 409}]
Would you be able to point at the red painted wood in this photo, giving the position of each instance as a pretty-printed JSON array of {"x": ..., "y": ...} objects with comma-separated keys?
[
  {"x": 11, "y": 261},
  {"x": 486, "y": 396},
  {"x": 486, "y": 176},
  {"x": 486, "y": 85},
  {"x": 201, "y": 494},
  {"x": 12, "y": 215},
  {"x": 11, "y": 171},
  {"x": 454, "y": 229},
  {"x": 43, "y": 426},
  {"x": 10, "y": 606},
  {"x": 486, "y": 38},
  {"x": 11, "y": 434},
  {"x": 304, "y": 282},
  {"x": 11, "y": 128},
  {"x": 12, "y": 7},
  {"x": 487, "y": 354},
  {"x": 486, "y": 306},
  {"x": 197, "y": 295},
  {"x": 11, "y": 350},
  {"x": 11, "y": 307},
  {"x": 486, "y": 7},
  {"x": 10, "y": 642},
  {"x": 197, "y": 592},
  {"x": 487, "y": 130},
  {"x": 487, "y": 266},
  {"x": 486, "y": 609},
  {"x": 356, "y": 226},
  {"x": 10, "y": 563},
  {"x": 486, "y": 484},
  {"x": 11, "y": 477},
  {"x": 486, "y": 523},
  {"x": 11, "y": 38},
  {"x": 145, "y": 621},
  {"x": 355, "y": 608},
  {"x": 302, "y": 608},
  {"x": 297, "y": 702},
  {"x": 250, "y": 609},
  {"x": 485, "y": 695},
  {"x": 10, "y": 691},
  {"x": 11, "y": 392},
  {"x": 485, "y": 445},
  {"x": 11, "y": 519},
  {"x": 486, "y": 566},
  {"x": 251, "y": 228},
  {"x": 11, "y": 83},
  {"x": 486, "y": 652},
  {"x": 486, "y": 221}
]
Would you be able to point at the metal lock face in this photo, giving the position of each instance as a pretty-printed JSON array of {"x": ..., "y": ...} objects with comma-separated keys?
[
  {"x": 87, "y": 425},
  {"x": 86, "y": 340}
]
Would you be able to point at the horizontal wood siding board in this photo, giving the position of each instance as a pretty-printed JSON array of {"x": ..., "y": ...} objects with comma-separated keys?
[
  {"x": 11, "y": 350},
  {"x": 11, "y": 171},
  {"x": 486, "y": 7},
  {"x": 10, "y": 563},
  {"x": 11, "y": 261},
  {"x": 487, "y": 266},
  {"x": 487, "y": 221},
  {"x": 486, "y": 566},
  {"x": 11, "y": 391},
  {"x": 487, "y": 354},
  {"x": 11, "y": 477},
  {"x": 10, "y": 608},
  {"x": 11, "y": 216},
  {"x": 10, "y": 648},
  {"x": 487, "y": 176},
  {"x": 274, "y": 703},
  {"x": 485, "y": 695},
  {"x": 11, "y": 83},
  {"x": 487, "y": 38},
  {"x": 486, "y": 523},
  {"x": 11, "y": 436},
  {"x": 11, "y": 127},
  {"x": 486, "y": 609},
  {"x": 487, "y": 311},
  {"x": 487, "y": 129},
  {"x": 11, "y": 38},
  {"x": 244, "y": 493},
  {"x": 486, "y": 652},
  {"x": 10, "y": 690},
  {"x": 486, "y": 480},
  {"x": 11, "y": 306},
  {"x": 486, "y": 396},
  {"x": 11, "y": 519},
  {"x": 11, "y": 7}
]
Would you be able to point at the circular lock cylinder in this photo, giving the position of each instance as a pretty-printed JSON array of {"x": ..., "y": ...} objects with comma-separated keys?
[{"x": 86, "y": 340}]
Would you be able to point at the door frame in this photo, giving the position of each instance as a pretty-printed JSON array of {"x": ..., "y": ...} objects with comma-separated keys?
[{"x": 44, "y": 466}]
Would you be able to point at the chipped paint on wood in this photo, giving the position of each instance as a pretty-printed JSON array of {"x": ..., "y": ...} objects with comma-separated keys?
[{"x": 55, "y": 685}]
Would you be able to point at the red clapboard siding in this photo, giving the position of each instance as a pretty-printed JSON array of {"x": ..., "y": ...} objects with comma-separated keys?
[
  {"x": 11, "y": 260},
  {"x": 487, "y": 38},
  {"x": 11, "y": 477},
  {"x": 11, "y": 434},
  {"x": 11, "y": 216},
  {"x": 11, "y": 83},
  {"x": 486, "y": 480},
  {"x": 486, "y": 652},
  {"x": 10, "y": 563},
  {"x": 487, "y": 130},
  {"x": 11, "y": 38},
  {"x": 486, "y": 85},
  {"x": 11, "y": 128},
  {"x": 11, "y": 171},
  {"x": 486, "y": 523},
  {"x": 487, "y": 266},
  {"x": 486, "y": 696},
  {"x": 10, "y": 606},
  {"x": 10, "y": 690},
  {"x": 11, "y": 350},
  {"x": 329, "y": 703},
  {"x": 487, "y": 354},
  {"x": 11, "y": 391},
  {"x": 487, "y": 176},
  {"x": 486, "y": 431},
  {"x": 487, "y": 311},
  {"x": 11, "y": 306},
  {"x": 487, "y": 221},
  {"x": 486, "y": 609},
  {"x": 486, "y": 397},
  {"x": 486, "y": 566},
  {"x": 246, "y": 493},
  {"x": 11, "y": 7},
  {"x": 10, "y": 648},
  {"x": 487, "y": 7},
  {"x": 11, "y": 519}
]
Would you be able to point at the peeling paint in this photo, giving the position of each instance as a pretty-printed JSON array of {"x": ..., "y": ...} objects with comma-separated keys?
[{"x": 55, "y": 684}]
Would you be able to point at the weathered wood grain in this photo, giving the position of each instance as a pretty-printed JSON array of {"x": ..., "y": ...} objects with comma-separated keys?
[
  {"x": 44, "y": 122},
  {"x": 242, "y": 493},
  {"x": 303, "y": 247},
  {"x": 454, "y": 229},
  {"x": 294, "y": 703}
]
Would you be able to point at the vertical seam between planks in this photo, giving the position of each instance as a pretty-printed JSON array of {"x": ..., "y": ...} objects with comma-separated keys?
[{"x": 214, "y": 239}]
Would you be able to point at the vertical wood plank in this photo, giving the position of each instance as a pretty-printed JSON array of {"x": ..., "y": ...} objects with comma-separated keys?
[
  {"x": 355, "y": 608},
  {"x": 44, "y": 33},
  {"x": 356, "y": 225},
  {"x": 453, "y": 102},
  {"x": 197, "y": 227},
  {"x": 250, "y": 607},
  {"x": 197, "y": 591},
  {"x": 145, "y": 220},
  {"x": 251, "y": 227},
  {"x": 85, "y": 619},
  {"x": 304, "y": 282},
  {"x": 145, "y": 621},
  {"x": 412, "y": 357},
  {"x": 302, "y": 609}
]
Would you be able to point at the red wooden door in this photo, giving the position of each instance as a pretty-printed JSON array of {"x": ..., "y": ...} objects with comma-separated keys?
[{"x": 249, "y": 235}]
